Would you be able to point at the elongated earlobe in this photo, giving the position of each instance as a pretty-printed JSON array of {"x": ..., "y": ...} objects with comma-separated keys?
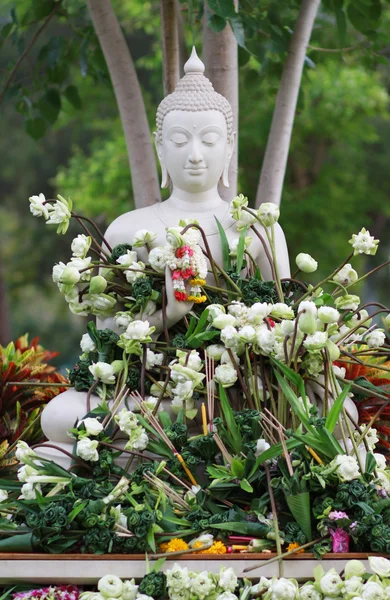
[
  {"x": 225, "y": 176},
  {"x": 165, "y": 179}
]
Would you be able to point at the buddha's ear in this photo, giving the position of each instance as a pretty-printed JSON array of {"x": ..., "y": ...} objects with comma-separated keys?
[
  {"x": 165, "y": 181},
  {"x": 229, "y": 154}
]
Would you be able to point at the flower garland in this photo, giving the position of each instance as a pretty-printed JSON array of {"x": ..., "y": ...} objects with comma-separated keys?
[{"x": 187, "y": 264}]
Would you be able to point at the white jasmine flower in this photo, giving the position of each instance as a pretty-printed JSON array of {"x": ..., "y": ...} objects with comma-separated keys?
[
  {"x": 375, "y": 338},
  {"x": 102, "y": 371},
  {"x": 143, "y": 237},
  {"x": 282, "y": 311},
  {"x": 348, "y": 467},
  {"x": 309, "y": 592},
  {"x": 153, "y": 359},
  {"x": 57, "y": 272},
  {"x": 138, "y": 439},
  {"x": 29, "y": 491},
  {"x": 226, "y": 375},
  {"x": 123, "y": 319},
  {"x": 227, "y": 579},
  {"x": 316, "y": 341},
  {"x": 261, "y": 446},
  {"x": 157, "y": 259},
  {"x": 23, "y": 450},
  {"x": 327, "y": 314},
  {"x": 138, "y": 330},
  {"x": 38, "y": 207},
  {"x": 4, "y": 493},
  {"x": 126, "y": 421},
  {"x": 354, "y": 568},
  {"x": 177, "y": 578},
  {"x": 215, "y": 351},
  {"x": 347, "y": 302},
  {"x": 372, "y": 591},
  {"x": 129, "y": 591},
  {"x": 283, "y": 589},
  {"x": 268, "y": 214},
  {"x": 380, "y": 460},
  {"x": 201, "y": 585},
  {"x": 258, "y": 312},
  {"x": 136, "y": 271},
  {"x": 59, "y": 214},
  {"x": 265, "y": 340},
  {"x": 82, "y": 265},
  {"x": 87, "y": 449},
  {"x": 191, "y": 360},
  {"x": 331, "y": 583},
  {"x": 214, "y": 310},
  {"x": 80, "y": 245},
  {"x": 86, "y": 344},
  {"x": 110, "y": 586},
  {"x": 127, "y": 259},
  {"x": 346, "y": 276},
  {"x": 380, "y": 565},
  {"x": 92, "y": 426},
  {"x": 222, "y": 321},
  {"x": 306, "y": 263},
  {"x": 364, "y": 243},
  {"x": 229, "y": 336},
  {"x": 247, "y": 334}
]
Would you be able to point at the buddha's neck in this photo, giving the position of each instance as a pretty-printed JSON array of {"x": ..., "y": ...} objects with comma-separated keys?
[{"x": 189, "y": 202}]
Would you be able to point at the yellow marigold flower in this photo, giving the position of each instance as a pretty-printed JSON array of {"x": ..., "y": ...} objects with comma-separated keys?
[
  {"x": 216, "y": 548},
  {"x": 174, "y": 545},
  {"x": 292, "y": 546},
  {"x": 198, "y": 281}
]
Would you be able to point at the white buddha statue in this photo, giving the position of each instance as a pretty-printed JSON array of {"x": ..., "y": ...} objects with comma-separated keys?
[{"x": 194, "y": 141}]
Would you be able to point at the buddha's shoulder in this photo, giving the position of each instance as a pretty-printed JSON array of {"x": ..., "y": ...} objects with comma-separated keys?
[{"x": 124, "y": 227}]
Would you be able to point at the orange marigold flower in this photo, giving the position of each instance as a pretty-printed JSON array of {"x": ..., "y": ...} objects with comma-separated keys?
[
  {"x": 174, "y": 545},
  {"x": 293, "y": 546},
  {"x": 216, "y": 548}
]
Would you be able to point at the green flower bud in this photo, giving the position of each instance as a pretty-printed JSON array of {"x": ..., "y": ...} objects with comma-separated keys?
[
  {"x": 98, "y": 285},
  {"x": 70, "y": 276}
]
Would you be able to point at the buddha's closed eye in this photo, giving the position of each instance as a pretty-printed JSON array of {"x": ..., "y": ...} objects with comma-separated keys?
[
  {"x": 210, "y": 138},
  {"x": 179, "y": 139}
]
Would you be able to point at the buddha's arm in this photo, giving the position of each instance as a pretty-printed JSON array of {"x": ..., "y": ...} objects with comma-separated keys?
[{"x": 281, "y": 251}]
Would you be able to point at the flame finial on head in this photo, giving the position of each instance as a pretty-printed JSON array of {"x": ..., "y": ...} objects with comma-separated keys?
[{"x": 193, "y": 93}]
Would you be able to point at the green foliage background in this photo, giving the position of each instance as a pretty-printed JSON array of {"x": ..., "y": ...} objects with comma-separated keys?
[{"x": 337, "y": 179}]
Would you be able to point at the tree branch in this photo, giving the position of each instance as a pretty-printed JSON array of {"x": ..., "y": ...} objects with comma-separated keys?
[
  {"x": 130, "y": 102},
  {"x": 220, "y": 57},
  {"x": 275, "y": 159},
  {"x": 169, "y": 11},
  {"x": 27, "y": 50}
]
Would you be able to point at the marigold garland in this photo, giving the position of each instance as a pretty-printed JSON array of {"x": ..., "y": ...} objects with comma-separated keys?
[
  {"x": 174, "y": 545},
  {"x": 293, "y": 546}
]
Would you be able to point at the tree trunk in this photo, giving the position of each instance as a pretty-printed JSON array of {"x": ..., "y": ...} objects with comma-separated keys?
[
  {"x": 170, "y": 44},
  {"x": 220, "y": 57},
  {"x": 5, "y": 328},
  {"x": 183, "y": 53},
  {"x": 130, "y": 102},
  {"x": 275, "y": 159}
]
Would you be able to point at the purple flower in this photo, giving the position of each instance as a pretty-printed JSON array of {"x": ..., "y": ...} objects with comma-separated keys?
[
  {"x": 337, "y": 514},
  {"x": 340, "y": 542},
  {"x": 353, "y": 525}
]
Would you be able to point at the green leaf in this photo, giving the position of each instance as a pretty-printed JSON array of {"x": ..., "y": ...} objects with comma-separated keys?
[
  {"x": 365, "y": 16},
  {"x": 223, "y": 8},
  {"x": 241, "y": 250},
  {"x": 336, "y": 409},
  {"x": 341, "y": 20},
  {"x": 50, "y": 105},
  {"x": 72, "y": 95},
  {"x": 150, "y": 539},
  {"x": 224, "y": 245},
  {"x": 246, "y": 528},
  {"x": 35, "y": 127},
  {"x": 246, "y": 486},
  {"x": 299, "y": 504},
  {"x": 73, "y": 514},
  {"x": 42, "y": 8},
  {"x": 274, "y": 452},
  {"x": 228, "y": 414},
  {"x": 196, "y": 340},
  {"x": 217, "y": 23},
  {"x": 292, "y": 399},
  {"x": 238, "y": 30},
  {"x": 370, "y": 462},
  {"x": 237, "y": 468}
]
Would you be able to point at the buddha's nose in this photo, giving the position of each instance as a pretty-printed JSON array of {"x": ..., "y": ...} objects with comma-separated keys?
[{"x": 195, "y": 155}]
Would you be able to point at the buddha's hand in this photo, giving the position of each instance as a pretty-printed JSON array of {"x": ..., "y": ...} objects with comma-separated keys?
[{"x": 176, "y": 309}]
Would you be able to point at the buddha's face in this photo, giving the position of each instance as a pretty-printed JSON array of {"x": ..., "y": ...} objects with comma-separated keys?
[{"x": 195, "y": 149}]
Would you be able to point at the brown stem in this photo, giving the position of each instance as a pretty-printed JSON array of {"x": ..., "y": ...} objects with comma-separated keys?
[
  {"x": 240, "y": 379},
  {"x": 126, "y": 451},
  {"x": 268, "y": 255},
  {"x": 80, "y": 461},
  {"x": 88, "y": 399}
]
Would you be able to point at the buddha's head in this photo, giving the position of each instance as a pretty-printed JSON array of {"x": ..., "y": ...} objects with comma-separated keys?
[{"x": 194, "y": 137}]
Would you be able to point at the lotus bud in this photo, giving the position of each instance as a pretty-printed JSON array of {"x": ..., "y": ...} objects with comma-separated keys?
[
  {"x": 98, "y": 285},
  {"x": 70, "y": 276}
]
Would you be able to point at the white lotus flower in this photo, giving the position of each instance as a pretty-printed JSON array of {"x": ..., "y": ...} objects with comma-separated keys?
[
  {"x": 201, "y": 585},
  {"x": 110, "y": 586},
  {"x": 261, "y": 446},
  {"x": 258, "y": 312},
  {"x": 364, "y": 243},
  {"x": 215, "y": 351},
  {"x": 268, "y": 213},
  {"x": 316, "y": 341},
  {"x": 81, "y": 245},
  {"x": 123, "y": 319},
  {"x": 372, "y": 591},
  {"x": 306, "y": 263},
  {"x": 129, "y": 591},
  {"x": 57, "y": 272},
  {"x": 376, "y": 338},
  {"x": 354, "y": 568},
  {"x": 136, "y": 271},
  {"x": 125, "y": 260},
  {"x": 126, "y": 420},
  {"x": 331, "y": 584},
  {"x": 247, "y": 334},
  {"x": 214, "y": 310},
  {"x": 29, "y": 491},
  {"x": 347, "y": 302},
  {"x": 282, "y": 311},
  {"x": 348, "y": 467},
  {"x": 3, "y": 495},
  {"x": 92, "y": 426},
  {"x": 157, "y": 259},
  {"x": 227, "y": 579},
  {"x": 87, "y": 449},
  {"x": 38, "y": 207},
  {"x": 265, "y": 340},
  {"x": 143, "y": 237},
  {"x": 153, "y": 359},
  {"x": 87, "y": 344},
  {"x": 346, "y": 276},
  {"x": 23, "y": 450},
  {"x": 222, "y": 321},
  {"x": 328, "y": 315},
  {"x": 229, "y": 336},
  {"x": 103, "y": 371},
  {"x": 283, "y": 589},
  {"x": 380, "y": 565},
  {"x": 226, "y": 375},
  {"x": 138, "y": 330},
  {"x": 309, "y": 592}
]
